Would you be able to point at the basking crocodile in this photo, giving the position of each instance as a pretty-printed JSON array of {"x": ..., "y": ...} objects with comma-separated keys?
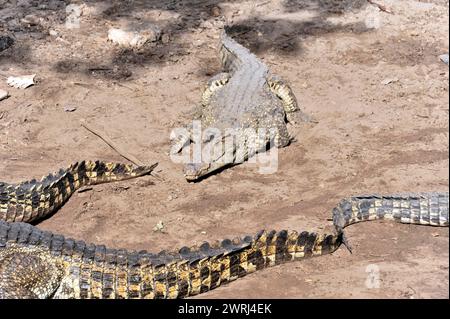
[
  {"x": 246, "y": 104},
  {"x": 39, "y": 264}
]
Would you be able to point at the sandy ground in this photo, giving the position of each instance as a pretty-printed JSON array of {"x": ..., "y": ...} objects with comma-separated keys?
[{"x": 371, "y": 135}]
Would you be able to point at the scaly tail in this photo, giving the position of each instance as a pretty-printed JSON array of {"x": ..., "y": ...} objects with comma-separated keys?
[
  {"x": 422, "y": 208},
  {"x": 235, "y": 56},
  {"x": 33, "y": 200},
  {"x": 207, "y": 267},
  {"x": 65, "y": 268}
]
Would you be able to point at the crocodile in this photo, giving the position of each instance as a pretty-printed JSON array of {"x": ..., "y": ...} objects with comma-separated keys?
[
  {"x": 246, "y": 104},
  {"x": 34, "y": 200},
  {"x": 40, "y": 264}
]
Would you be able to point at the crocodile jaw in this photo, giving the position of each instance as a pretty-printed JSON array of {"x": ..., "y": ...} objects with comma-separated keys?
[{"x": 193, "y": 171}]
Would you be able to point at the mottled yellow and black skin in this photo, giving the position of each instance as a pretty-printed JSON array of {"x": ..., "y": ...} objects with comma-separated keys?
[
  {"x": 38, "y": 264},
  {"x": 33, "y": 200}
]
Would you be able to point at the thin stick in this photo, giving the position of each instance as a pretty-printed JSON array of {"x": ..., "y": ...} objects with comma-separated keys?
[
  {"x": 381, "y": 7},
  {"x": 113, "y": 145},
  {"x": 262, "y": 4}
]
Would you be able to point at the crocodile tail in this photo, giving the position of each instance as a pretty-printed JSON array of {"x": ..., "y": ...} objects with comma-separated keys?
[
  {"x": 229, "y": 59},
  {"x": 80, "y": 270},
  {"x": 210, "y": 266},
  {"x": 92, "y": 173},
  {"x": 422, "y": 208},
  {"x": 234, "y": 56},
  {"x": 33, "y": 200}
]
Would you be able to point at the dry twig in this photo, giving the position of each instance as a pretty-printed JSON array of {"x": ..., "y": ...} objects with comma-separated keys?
[
  {"x": 113, "y": 145},
  {"x": 381, "y": 6}
]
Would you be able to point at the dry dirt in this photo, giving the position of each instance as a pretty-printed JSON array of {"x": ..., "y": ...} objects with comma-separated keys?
[{"x": 371, "y": 136}]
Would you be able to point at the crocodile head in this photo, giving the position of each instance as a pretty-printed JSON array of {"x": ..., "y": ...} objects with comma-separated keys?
[
  {"x": 193, "y": 171},
  {"x": 215, "y": 156}
]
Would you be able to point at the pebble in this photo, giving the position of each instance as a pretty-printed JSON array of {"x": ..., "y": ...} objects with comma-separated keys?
[
  {"x": 3, "y": 94},
  {"x": 5, "y": 42},
  {"x": 389, "y": 81},
  {"x": 444, "y": 58},
  {"x": 159, "y": 226},
  {"x": 165, "y": 38},
  {"x": 69, "y": 108},
  {"x": 134, "y": 38},
  {"x": 31, "y": 20},
  {"x": 215, "y": 11},
  {"x": 21, "y": 82}
]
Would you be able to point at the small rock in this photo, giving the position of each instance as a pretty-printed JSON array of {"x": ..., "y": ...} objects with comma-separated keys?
[
  {"x": 5, "y": 42},
  {"x": 21, "y": 82},
  {"x": 435, "y": 234},
  {"x": 134, "y": 38},
  {"x": 389, "y": 81},
  {"x": 53, "y": 33},
  {"x": 199, "y": 43},
  {"x": 215, "y": 11},
  {"x": 203, "y": 232},
  {"x": 159, "y": 226},
  {"x": 443, "y": 57},
  {"x": 73, "y": 12},
  {"x": 69, "y": 108},
  {"x": 165, "y": 38},
  {"x": 3, "y": 94},
  {"x": 31, "y": 20}
]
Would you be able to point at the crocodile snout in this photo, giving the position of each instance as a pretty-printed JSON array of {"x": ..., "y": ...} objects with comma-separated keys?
[{"x": 193, "y": 171}]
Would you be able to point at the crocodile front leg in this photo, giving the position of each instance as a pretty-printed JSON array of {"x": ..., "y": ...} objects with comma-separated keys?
[{"x": 178, "y": 142}]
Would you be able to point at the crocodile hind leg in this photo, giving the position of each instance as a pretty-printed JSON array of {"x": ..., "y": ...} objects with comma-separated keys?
[
  {"x": 28, "y": 272},
  {"x": 214, "y": 84},
  {"x": 284, "y": 92}
]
